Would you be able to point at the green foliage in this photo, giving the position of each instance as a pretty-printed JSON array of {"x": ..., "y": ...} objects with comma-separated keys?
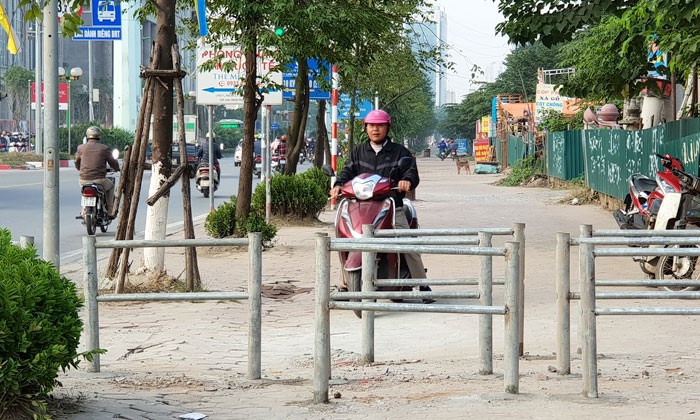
[
  {"x": 39, "y": 329},
  {"x": 256, "y": 223},
  {"x": 523, "y": 170},
  {"x": 221, "y": 223},
  {"x": 556, "y": 121},
  {"x": 17, "y": 81},
  {"x": 317, "y": 176},
  {"x": 115, "y": 138},
  {"x": 292, "y": 196},
  {"x": 228, "y": 136},
  {"x": 20, "y": 158}
]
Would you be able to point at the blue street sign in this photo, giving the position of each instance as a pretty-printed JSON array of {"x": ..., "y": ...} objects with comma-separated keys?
[
  {"x": 289, "y": 80},
  {"x": 363, "y": 108},
  {"x": 99, "y": 33},
  {"x": 274, "y": 126},
  {"x": 106, "y": 13}
]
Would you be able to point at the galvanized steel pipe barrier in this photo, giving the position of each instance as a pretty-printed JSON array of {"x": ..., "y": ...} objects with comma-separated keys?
[
  {"x": 253, "y": 295},
  {"x": 587, "y": 252},
  {"x": 325, "y": 301}
]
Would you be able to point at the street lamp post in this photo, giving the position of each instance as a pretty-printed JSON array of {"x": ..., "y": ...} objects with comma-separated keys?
[{"x": 75, "y": 74}]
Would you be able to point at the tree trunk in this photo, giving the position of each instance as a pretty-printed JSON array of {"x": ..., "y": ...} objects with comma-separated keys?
[
  {"x": 251, "y": 104},
  {"x": 301, "y": 110},
  {"x": 322, "y": 153},
  {"x": 157, "y": 215}
]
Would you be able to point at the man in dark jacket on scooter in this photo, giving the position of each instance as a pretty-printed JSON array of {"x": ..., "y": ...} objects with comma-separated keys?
[
  {"x": 380, "y": 156},
  {"x": 91, "y": 160}
]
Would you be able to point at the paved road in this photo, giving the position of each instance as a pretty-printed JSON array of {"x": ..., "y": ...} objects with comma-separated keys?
[{"x": 21, "y": 205}]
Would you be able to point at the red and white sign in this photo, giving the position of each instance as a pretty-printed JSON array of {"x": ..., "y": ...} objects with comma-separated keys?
[
  {"x": 62, "y": 96},
  {"x": 219, "y": 87}
]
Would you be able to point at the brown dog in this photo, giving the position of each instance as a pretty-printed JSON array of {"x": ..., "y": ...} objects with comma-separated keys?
[{"x": 463, "y": 164}]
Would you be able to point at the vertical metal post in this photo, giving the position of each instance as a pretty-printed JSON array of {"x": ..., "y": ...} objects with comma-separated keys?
[
  {"x": 589, "y": 354},
  {"x": 486, "y": 299},
  {"x": 322, "y": 321},
  {"x": 91, "y": 310},
  {"x": 267, "y": 162},
  {"x": 91, "y": 104},
  {"x": 210, "y": 109},
  {"x": 254, "y": 305},
  {"x": 25, "y": 241},
  {"x": 51, "y": 244},
  {"x": 512, "y": 316},
  {"x": 519, "y": 237},
  {"x": 563, "y": 269},
  {"x": 38, "y": 126},
  {"x": 368, "y": 268},
  {"x": 585, "y": 231}
]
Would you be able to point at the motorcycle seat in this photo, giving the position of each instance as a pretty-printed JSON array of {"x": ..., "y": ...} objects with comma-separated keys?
[{"x": 644, "y": 185}]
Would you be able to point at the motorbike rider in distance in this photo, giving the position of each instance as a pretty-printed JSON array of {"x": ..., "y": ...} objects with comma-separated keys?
[
  {"x": 91, "y": 160},
  {"x": 380, "y": 156},
  {"x": 203, "y": 154}
]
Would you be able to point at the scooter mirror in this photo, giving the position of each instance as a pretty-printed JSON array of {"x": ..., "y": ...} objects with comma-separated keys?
[
  {"x": 327, "y": 170},
  {"x": 405, "y": 162},
  {"x": 221, "y": 146},
  {"x": 115, "y": 153}
]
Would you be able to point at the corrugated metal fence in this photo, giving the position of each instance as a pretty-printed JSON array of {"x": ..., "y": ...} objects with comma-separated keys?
[{"x": 607, "y": 158}]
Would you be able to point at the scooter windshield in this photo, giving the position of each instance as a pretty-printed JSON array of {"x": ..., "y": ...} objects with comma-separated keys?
[{"x": 364, "y": 188}]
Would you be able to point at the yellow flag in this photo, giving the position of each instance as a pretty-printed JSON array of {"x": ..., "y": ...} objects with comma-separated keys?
[{"x": 11, "y": 38}]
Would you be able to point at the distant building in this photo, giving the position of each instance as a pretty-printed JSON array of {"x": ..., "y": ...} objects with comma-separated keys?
[{"x": 430, "y": 35}]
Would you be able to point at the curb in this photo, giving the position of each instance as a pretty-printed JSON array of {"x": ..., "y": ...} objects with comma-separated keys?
[{"x": 34, "y": 165}]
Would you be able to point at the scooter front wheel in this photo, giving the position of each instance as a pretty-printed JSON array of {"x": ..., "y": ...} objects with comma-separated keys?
[
  {"x": 354, "y": 279},
  {"x": 678, "y": 268}
]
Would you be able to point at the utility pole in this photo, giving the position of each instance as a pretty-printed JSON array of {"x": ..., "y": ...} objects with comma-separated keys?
[
  {"x": 51, "y": 244},
  {"x": 38, "y": 126}
]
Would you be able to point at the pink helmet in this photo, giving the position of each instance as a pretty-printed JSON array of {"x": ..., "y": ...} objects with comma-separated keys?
[{"x": 378, "y": 116}]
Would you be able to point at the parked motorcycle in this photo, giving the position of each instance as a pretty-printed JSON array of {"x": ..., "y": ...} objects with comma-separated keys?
[
  {"x": 202, "y": 181},
  {"x": 644, "y": 199},
  {"x": 673, "y": 204},
  {"x": 366, "y": 201},
  {"x": 94, "y": 203}
]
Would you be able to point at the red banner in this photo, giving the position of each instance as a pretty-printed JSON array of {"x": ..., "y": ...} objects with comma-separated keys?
[{"x": 62, "y": 95}]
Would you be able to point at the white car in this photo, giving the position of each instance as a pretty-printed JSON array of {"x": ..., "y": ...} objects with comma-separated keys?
[{"x": 239, "y": 153}]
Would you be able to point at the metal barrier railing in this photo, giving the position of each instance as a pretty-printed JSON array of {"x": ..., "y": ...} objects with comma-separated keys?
[
  {"x": 253, "y": 295},
  {"x": 325, "y": 300},
  {"x": 587, "y": 242}
]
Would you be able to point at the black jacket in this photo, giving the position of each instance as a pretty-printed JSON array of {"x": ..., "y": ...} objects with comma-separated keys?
[{"x": 363, "y": 159}]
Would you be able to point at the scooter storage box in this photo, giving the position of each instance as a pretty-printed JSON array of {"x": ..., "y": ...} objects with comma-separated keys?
[{"x": 692, "y": 212}]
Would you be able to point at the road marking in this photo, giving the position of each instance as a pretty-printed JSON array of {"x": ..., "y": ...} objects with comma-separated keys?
[{"x": 21, "y": 185}]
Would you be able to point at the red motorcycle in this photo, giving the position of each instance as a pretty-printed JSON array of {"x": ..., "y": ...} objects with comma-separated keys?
[
  {"x": 643, "y": 202},
  {"x": 366, "y": 200}
]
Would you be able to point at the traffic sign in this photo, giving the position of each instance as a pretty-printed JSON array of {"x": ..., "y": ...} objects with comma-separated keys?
[
  {"x": 99, "y": 33},
  {"x": 315, "y": 91},
  {"x": 106, "y": 13},
  {"x": 217, "y": 87},
  {"x": 274, "y": 126},
  {"x": 363, "y": 108}
]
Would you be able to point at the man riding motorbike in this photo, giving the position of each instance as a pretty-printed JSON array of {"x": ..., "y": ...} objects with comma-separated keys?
[
  {"x": 91, "y": 160},
  {"x": 379, "y": 156},
  {"x": 203, "y": 154}
]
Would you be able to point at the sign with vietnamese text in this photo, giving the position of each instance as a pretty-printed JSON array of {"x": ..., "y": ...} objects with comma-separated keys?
[
  {"x": 219, "y": 87},
  {"x": 547, "y": 98},
  {"x": 363, "y": 108},
  {"x": 315, "y": 92},
  {"x": 62, "y": 96}
]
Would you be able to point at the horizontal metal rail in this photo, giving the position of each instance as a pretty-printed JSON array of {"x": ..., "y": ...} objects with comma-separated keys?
[
  {"x": 641, "y": 295},
  {"x": 172, "y": 296},
  {"x": 441, "y": 232},
  {"x": 647, "y": 233},
  {"x": 410, "y": 241},
  {"x": 405, "y": 295},
  {"x": 174, "y": 243},
  {"x": 638, "y": 241},
  {"x": 647, "y": 311},
  {"x": 424, "y": 249},
  {"x": 646, "y": 252},
  {"x": 418, "y": 307},
  {"x": 648, "y": 282},
  {"x": 434, "y": 282}
]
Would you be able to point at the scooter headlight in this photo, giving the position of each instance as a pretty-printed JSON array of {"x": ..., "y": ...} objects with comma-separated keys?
[{"x": 364, "y": 189}]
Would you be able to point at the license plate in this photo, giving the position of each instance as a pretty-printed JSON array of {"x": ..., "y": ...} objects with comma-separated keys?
[
  {"x": 89, "y": 201},
  {"x": 174, "y": 161},
  {"x": 204, "y": 183}
]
